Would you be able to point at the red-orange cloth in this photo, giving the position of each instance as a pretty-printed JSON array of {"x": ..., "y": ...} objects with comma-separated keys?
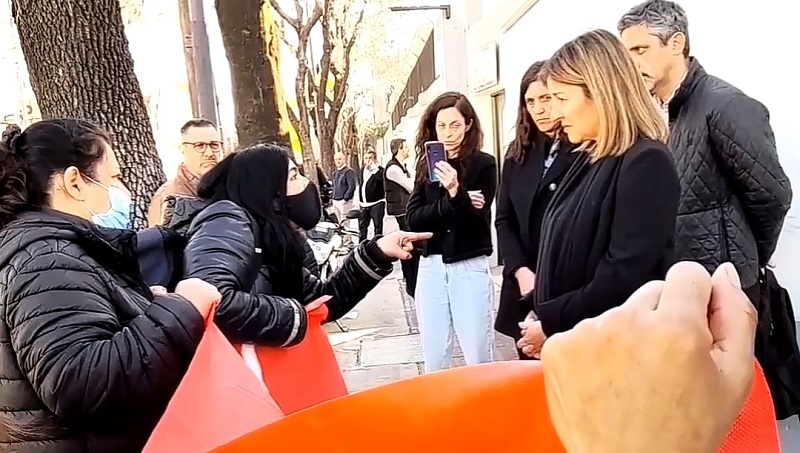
[
  {"x": 307, "y": 374},
  {"x": 218, "y": 400},
  {"x": 756, "y": 430}
]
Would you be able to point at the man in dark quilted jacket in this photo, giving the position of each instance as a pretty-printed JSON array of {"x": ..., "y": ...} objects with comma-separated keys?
[{"x": 734, "y": 192}]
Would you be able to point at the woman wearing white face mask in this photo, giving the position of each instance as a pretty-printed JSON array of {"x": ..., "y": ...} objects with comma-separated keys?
[
  {"x": 89, "y": 357},
  {"x": 118, "y": 215}
]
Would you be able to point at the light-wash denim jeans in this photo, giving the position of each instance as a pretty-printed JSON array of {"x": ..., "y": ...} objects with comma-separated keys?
[{"x": 455, "y": 297}]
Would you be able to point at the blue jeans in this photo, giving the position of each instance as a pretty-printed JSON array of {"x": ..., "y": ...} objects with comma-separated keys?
[{"x": 455, "y": 297}]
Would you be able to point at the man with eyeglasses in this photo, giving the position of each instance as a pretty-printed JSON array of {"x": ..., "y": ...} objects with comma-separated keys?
[{"x": 201, "y": 148}]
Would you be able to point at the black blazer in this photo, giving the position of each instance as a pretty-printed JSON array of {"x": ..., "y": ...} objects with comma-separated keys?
[
  {"x": 460, "y": 231},
  {"x": 523, "y": 198},
  {"x": 609, "y": 229}
]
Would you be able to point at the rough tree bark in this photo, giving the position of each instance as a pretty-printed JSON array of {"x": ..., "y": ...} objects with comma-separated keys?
[
  {"x": 251, "y": 39},
  {"x": 80, "y": 67}
]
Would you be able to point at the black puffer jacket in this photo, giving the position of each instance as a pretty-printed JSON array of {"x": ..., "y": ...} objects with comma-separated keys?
[
  {"x": 88, "y": 360},
  {"x": 734, "y": 193},
  {"x": 222, "y": 251}
]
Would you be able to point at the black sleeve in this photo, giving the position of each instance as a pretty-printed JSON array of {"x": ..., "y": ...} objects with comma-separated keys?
[
  {"x": 745, "y": 145},
  {"x": 82, "y": 362},
  {"x": 358, "y": 275},
  {"x": 643, "y": 224},
  {"x": 508, "y": 239},
  {"x": 221, "y": 250},
  {"x": 423, "y": 215},
  {"x": 461, "y": 206}
]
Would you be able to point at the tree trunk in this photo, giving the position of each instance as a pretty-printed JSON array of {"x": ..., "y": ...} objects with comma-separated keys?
[
  {"x": 251, "y": 41},
  {"x": 80, "y": 67}
]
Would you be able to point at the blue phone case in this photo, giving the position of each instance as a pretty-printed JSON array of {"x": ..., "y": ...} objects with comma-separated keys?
[{"x": 434, "y": 152}]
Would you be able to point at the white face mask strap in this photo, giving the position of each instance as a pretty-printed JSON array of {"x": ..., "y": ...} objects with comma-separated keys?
[
  {"x": 87, "y": 208},
  {"x": 93, "y": 181}
]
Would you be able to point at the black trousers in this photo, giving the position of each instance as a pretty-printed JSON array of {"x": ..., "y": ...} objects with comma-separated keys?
[
  {"x": 374, "y": 214},
  {"x": 410, "y": 266}
]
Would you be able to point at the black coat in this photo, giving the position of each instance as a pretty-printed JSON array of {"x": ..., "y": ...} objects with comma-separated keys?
[
  {"x": 372, "y": 190},
  {"x": 609, "y": 229},
  {"x": 396, "y": 195},
  {"x": 734, "y": 192},
  {"x": 222, "y": 250},
  {"x": 460, "y": 231},
  {"x": 523, "y": 198},
  {"x": 88, "y": 357}
]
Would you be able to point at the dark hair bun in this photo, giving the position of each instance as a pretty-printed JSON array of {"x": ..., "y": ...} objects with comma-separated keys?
[
  {"x": 9, "y": 135},
  {"x": 13, "y": 187}
]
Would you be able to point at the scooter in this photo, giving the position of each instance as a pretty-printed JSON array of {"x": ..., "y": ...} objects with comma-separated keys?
[{"x": 331, "y": 243}]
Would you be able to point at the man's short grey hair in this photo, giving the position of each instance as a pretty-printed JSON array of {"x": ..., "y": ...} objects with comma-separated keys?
[{"x": 664, "y": 18}]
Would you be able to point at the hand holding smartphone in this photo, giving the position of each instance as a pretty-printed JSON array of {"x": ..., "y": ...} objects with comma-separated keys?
[{"x": 434, "y": 153}]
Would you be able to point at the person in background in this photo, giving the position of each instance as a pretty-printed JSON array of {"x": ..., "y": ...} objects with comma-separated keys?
[
  {"x": 372, "y": 203},
  {"x": 90, "y": 355},
  {"x": 611, "y": 226},
  {"x": 345, "y": 183},
  {"x": 201, "y": 148},
  {"x": 455, "y": 290},
  {"x": 246, "y": 241},
  {"x": 536, "y": 162},
  {"x": 398, "y": 184},
  {"x": 735, "y": 194},
  {"x": 682, "y": 349}
]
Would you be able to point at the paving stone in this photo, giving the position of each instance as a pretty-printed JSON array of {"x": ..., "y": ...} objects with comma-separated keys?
[
  {"x": 382, "y": 308},
  {"x": 347, "y": 358},
  {"x": 394, "y": 350},
  {"x": 365, "y": 378}
]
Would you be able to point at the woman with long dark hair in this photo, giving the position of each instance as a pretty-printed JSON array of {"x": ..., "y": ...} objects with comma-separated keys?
[
  {"x": 89, "y": 356},
  {"x": 455, "y": 290},
  {"x": 535, "y": 164},
  {"x": 246, "y": 241}
]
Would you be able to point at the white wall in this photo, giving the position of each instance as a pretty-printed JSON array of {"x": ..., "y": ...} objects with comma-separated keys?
[{"x": 747, "y": 46}]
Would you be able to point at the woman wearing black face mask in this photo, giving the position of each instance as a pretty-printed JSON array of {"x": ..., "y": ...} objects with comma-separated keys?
[{"x": 247, "y": 242}]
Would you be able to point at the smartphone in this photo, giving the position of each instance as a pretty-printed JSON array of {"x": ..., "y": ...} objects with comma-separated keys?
[{"x": 434, "y": 152}]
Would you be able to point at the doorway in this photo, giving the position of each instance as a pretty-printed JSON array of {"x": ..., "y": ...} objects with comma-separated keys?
[{"x": 498, "y": 104}]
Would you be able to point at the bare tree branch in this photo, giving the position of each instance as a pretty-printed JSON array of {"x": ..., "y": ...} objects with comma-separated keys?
[
  {"x": 293, "y": 117},
  {"x": 340, "y": 89},
  {"x": 294, "y": 22},
  {"x": 315, "y": 16},
  {"x": 288, "y": 44}
]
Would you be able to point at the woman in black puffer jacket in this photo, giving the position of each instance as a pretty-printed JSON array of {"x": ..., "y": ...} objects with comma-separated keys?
[
  {"x": 246, "y": 242},
  {"x": 89, "y": 357}
]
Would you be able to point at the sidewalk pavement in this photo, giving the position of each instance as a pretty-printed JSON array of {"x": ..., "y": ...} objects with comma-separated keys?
[{"x": 382, "y": 345}]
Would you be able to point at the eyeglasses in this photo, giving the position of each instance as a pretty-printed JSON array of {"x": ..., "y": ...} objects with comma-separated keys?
[{"x": 201, "y": 147}]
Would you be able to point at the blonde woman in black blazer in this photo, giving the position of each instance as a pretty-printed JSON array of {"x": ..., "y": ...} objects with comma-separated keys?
[{"x": 611, "y": 225}]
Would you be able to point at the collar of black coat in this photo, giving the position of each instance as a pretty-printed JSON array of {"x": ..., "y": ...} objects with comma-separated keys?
[
  {"x": 112, "y": 249},
  {"x": 695, "y": 75},
  {"x": 179, "y": 211}
]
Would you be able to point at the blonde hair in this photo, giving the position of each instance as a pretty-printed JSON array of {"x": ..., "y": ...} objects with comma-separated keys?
[{"x": 598, "y": 62}]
